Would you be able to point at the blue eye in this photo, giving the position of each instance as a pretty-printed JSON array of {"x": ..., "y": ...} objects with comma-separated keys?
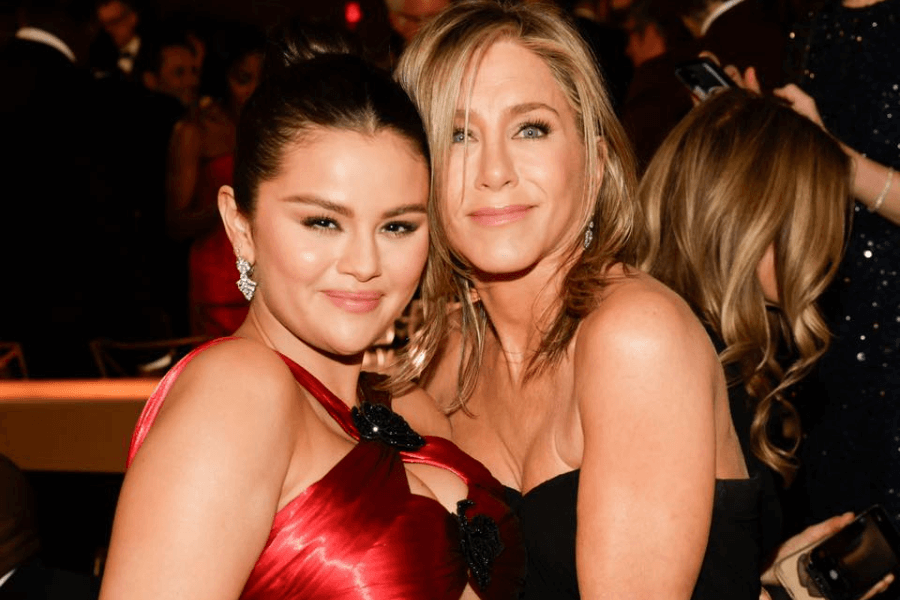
[
  {"x": 459, "y": 136},
  {"x": 534, "y": 130}
]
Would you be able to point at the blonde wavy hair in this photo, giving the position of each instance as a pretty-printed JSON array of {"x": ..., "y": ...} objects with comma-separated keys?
[
  {"x": 432, "y": 70},
  {"x": 740, "y": 173}
]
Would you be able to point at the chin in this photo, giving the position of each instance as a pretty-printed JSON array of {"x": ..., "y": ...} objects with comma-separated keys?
[
  {"x": 349, "y": 339},
  {"x": 499, "y": 261}
]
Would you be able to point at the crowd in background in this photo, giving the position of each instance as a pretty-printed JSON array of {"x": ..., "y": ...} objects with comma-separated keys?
[
  {"x": 120, "y": 128},
  {"x": 143, "y": 121}
]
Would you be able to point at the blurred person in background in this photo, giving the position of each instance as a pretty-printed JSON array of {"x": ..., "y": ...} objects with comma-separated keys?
[
  {"x": 168, "y": 65},
  {"x": 848, "y": 84},
  {"x": 743, "y": 33},
  {"x": 200, "y": 161},
  {"x": 114, "y": 51},
  {"x": 745, "y": 207},
  {"x": 656, "y": 100},
  {"x": 406, "y": 17},
  {"x": 49, "y": 227}
]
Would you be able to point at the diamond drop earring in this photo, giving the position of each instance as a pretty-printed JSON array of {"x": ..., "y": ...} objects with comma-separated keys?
[
  {"x": 244, "y": 283},
  {"x": 589, "y": 235}
]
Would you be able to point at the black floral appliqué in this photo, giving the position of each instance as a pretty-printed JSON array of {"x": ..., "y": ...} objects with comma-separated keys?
[
  {"x": 480, "y": 541},
  {"x": 378, "y": 422}
]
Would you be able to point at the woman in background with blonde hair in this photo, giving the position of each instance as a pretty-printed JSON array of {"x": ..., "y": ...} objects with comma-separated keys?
[
  {"x": 584, "y": 385},
  {"x": 745, "y": 206}
]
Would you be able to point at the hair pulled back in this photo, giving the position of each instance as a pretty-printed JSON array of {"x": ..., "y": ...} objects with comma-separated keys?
[{"x": 312, "y": 81}]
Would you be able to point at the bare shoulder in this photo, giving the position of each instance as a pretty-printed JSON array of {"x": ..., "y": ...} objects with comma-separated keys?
[
  {"x": 422, "y": 413},
  {"x": 237, "y": 393},
  {"x": 186, "y": 133},
  {"x": 223, "y": 443},
  {"x": 644, "y": 331},
  {"x": 237, "y": 370},
  {"x": 636, "y": 309}
]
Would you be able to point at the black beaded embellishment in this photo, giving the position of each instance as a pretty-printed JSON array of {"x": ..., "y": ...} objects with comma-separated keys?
[
  {"x": 378, "y": 422},
  {"x": 480, "y": 542}
]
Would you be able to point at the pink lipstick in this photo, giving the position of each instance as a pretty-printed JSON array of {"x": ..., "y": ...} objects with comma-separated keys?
[
  {"x": 355, "y": 302},
  {"x": 492, "y": 217}
]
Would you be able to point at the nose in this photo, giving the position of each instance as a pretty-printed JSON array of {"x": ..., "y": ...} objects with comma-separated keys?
[
  {"x": 495, "y": 166},
  {"x": 360, "y": 258}
]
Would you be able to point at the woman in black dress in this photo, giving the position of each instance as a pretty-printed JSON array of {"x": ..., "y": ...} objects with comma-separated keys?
[
  {"x": 745, "y": 206},
  {"x": 851, "y": 73},
  {"x": 586, "y": 386}
]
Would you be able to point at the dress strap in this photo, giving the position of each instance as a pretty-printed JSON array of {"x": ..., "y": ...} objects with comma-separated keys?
[
  {"x": 336, "y": 407},
  {"x": 154, "y": 403}
]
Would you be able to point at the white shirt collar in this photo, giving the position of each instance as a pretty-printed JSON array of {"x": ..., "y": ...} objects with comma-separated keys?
[
  {"x": 132, "y": 47},
  {"x": 33, "y": 34},
  {"x": 5, "y": 577},
  {"x": 715, "y": 14}
]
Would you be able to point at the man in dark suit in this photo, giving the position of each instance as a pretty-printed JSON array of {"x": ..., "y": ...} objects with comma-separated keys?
[
  {"x": 743, "y": 33},
  {"x": 22, "y": 575},
  {"x": 115, "y": 49},
  {"x": 656, "y": 99},
  {"x": 48, "y": 236}
]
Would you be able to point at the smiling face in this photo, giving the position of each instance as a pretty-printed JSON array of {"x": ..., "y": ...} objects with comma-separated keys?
[
  {"x": 514, "y": 187},
  {"x": 339, "y": 238}
]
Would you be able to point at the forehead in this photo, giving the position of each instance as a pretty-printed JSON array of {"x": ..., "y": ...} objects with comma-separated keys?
[
  {"x": 344, "y": 166},
  {"x": 509, "y": 73}
]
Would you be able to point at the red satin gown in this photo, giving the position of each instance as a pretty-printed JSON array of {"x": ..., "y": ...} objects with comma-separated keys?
[{"x": 359, "y": 533}]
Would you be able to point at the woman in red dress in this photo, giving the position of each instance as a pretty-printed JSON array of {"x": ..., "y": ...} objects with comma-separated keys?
[{"x": 264, "y": 466}]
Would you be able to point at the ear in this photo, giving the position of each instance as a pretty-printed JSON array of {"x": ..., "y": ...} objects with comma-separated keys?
[{"x": 236, "y": 225}]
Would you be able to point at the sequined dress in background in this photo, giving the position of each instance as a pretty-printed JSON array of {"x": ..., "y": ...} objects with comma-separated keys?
[{"x": 851, "y": 453}]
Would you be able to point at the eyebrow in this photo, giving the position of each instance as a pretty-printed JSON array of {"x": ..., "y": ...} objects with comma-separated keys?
[
  {"x": 516, "y": 109},
  {"x": 347, "y": 212}
]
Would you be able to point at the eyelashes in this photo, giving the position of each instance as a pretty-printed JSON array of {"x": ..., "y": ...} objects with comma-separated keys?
[
  {"x": 532, "y": 130},
  {"x": 321, "y": 223},
  {"x": 326, "y": 224}
]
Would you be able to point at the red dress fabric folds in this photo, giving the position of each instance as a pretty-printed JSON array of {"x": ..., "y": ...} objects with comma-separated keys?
[{"x": 360, "y": 533}]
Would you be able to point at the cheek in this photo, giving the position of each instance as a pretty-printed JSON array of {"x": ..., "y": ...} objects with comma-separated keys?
[
  {"x": 452, "y": 198},
  {"x": 407, "y": 262}
]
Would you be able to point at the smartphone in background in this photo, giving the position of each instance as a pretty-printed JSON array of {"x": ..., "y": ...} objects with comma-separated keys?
[
  {"x": 702, "y": 77},
  {"x": 845, "y": 565}
]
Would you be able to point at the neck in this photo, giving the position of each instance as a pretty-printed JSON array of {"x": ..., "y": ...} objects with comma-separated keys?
[
  {"x": 521, "y": 309},
  {"x": 340, "y": 374}
]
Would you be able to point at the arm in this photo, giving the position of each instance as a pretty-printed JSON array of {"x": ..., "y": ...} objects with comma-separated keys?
[
  {"x": 198, "y": 501},
  {"x": 644, "y": 383},
  {"x": 871, "y": 181},
  {"x": 186, "y": 216}
]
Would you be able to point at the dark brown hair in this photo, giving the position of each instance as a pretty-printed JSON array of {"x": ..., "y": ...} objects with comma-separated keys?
[{"x": 321, "y": 87}]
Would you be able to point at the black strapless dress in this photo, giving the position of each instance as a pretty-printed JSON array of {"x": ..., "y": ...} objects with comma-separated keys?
[{"x": 730, "y": 567}]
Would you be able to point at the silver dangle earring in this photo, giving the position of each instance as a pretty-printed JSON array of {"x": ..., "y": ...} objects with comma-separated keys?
[
  {"x": 589, "y": 235},
  {"x": 244, "y": 283}
]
